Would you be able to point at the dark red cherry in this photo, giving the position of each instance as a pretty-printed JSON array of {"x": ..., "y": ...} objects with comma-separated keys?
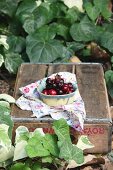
[
  {"x": 65, "y": 87},
  {"x": 70, "y": 90},
  {"x": 62, "y": 81},
  {"x": 48, "y": 81},
  {"x": 45, "y": 91},
  {"x": 70, "y": 85},
  {"x": 52, "y": 92},
  {"x": 60, "y": 92}
]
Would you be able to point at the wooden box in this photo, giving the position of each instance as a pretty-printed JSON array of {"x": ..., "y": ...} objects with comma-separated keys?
[{"x": 91, "y": 84}]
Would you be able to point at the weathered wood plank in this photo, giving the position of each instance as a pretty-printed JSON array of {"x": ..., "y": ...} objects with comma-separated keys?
[
  {"x": 28, "y": 73},
  {"x": 92, "y": 88},
  {"x": 61, "y": 68}
]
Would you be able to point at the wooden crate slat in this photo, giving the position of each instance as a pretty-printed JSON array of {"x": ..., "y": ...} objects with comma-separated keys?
[
  {"x": 55, "y": 68},
  {"x": 92, "y": 88},
  {"x": 27, "y": 74}
]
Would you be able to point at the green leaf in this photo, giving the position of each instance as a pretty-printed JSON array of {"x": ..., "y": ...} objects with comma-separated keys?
[
  {"x": 107, "y": 41},
  {"x": 16, "y": 44},
  {"x": 1, "y": 60},
  {"x": 29, "y": 24},
  {"x": 103, "y": 5},
  {"x": 72, "y": 15},
  {"x": 50, "y": 143},
  {"x": 40, "y": 50},
  {"x": 4, "y": 138},
  {"x": 8, "y": 6},
  {"x": 5, "y": 104},
  {"x": 46, "y": 32},
  {"x": 83, "y": 31},
  {"x": 42, "y": 16},
  {"x": 108, "y": 27},
  {"x": 19, "y": 166},
  {"x": 47, "y": 159},
  {"x": 84, "y": 143},
  {"x": 71, "y": 3},
  {"x": 36, "y": 166},
  {"x": 3, "y": 41},
  {"x": 63, "y": 31},
  {"x": 110, "y": 156},
  {"x": 61, "y": 129},
  {"x": 35, "y": 148},
  {"x": 6, "y": 155},
  {"x": 7, "y": 97},
  {"x": 25, "y": 9},
  {"x": 22, "y": 133},
  {"x": 111, "y": 78},
  {"x": 20, "y": 152},
  {"x": 92, "y": 11},
  {"x": 107, "y": 75},
  {"x": 112, "y": 59},
  {"x": 12, "y": 62},
  {"x": 75, "y": 46},
  {"x": 71, "y": 152}
]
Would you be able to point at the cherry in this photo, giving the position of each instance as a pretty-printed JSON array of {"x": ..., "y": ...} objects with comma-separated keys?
[
  {"x": 60, "y": 92},
  {"x": 45, "y": 91},
  {"x": 52, "y": 92},
  {"x": 70, "y": 85},
  {"x": 65, "y": 87},
  {"x": 48, "y": 81},
  {"x": 49, "y": 86},
  {"x": 62, "y": 81}
]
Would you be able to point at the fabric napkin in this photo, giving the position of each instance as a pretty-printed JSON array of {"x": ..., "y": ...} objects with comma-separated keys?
[{"x": 74, "y": 113}]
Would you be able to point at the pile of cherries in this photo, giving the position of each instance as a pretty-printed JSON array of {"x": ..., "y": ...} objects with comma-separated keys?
[{"x": 57, "y": 86}]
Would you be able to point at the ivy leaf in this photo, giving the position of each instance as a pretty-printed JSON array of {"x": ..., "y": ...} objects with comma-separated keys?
[
  {"x": 3, "y": 41},
  {"x": 19, "y": 166},
  {"x": 7, "y": 98},
  {"x": 8, "y": 7},
  {"x": 71, "y": 152},
  {"x": 61, "y": 129},
  {"x": 12, "y": 62},
  {"x": 5, "y": 104},
  {"x": 41, "y": 50},
  {"x": 42, "y": 16},
  {"x": 36, "y": 148},
  {"x": 63, "y": 31},
  {"x": 83, "y": 31},
  {"x": 75, "y": 46},
  {"x": 5, "y": 118},
  {"x": 25, "y": 9},
  {"x": 16, "y": 43},
  {"x": 29, "y": 24},
  {"x": 50, "y": 143},
  {"x": 108, "y": 75},
  {"x": 72, "y": 15},
  {"x": 84, "y": 143},
  {"x": 92, "y": 11},
  {"x": 112, "y": 59},
  {"x": 103, "y": 7},
  {"x": 72, "y": 3},
  {"x": 107, "y": 41},
  {"x": 20, "y": 152},
  {"x": 1, "y": 60},
  {"x": 47, "y": 159}
]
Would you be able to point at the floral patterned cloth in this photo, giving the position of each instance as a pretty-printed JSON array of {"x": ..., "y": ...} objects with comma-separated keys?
[{"x": 74, "y": 113}]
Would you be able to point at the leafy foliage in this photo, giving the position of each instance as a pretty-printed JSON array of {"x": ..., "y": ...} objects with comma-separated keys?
[
  {"x": 52, "y": 31},
  {"x": 40, "y": 149}
]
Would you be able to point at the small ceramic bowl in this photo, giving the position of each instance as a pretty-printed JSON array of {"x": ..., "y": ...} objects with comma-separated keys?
[{"x": 55, "y": 100}]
